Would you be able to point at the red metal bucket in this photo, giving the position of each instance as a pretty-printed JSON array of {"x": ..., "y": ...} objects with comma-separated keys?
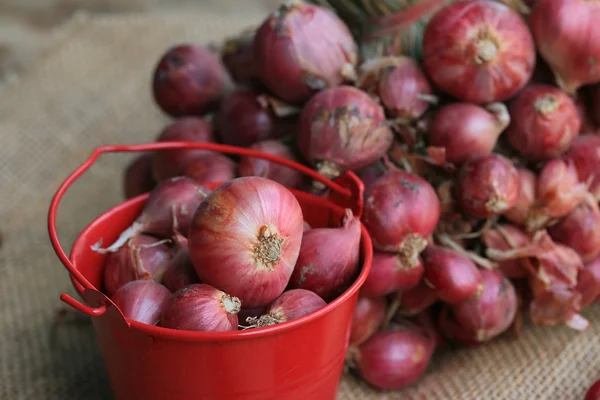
[{"x": 298, "y": 360}]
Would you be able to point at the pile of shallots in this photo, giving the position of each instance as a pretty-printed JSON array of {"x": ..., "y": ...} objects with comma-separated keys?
[{"x": 481, "y": 163}]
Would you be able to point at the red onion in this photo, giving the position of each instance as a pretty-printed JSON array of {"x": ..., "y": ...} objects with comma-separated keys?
[
  {"x": 388, "y": 275},
  {"x": 341, "y": 129},
  {"x": 466, "y": 130},
  {"x": 588, "y": 282},
  {"x": 450, "y": 328},
  {"x": 490, "y": 312},
  {"x": 142, "y": 257},
  {"x": 371, "y": 173},
  {"x": 506, "y": 237},
  {"x": 306, "y": 226},
  {"x": 558, "y": 192},
  {"x": 329, "y": 258},
  {"x": 169, "y": 207},
  {"x": 138, "y": 176},
  {"x": 415, "y": 300},
  {"x": 170, "y": 163},
  {"x": 401, "y": 211},
  {"x": 567, "y": 35},
  {"x": 394, "y": 358},
  {"x": 487, "y": 185},
  {"x": 527, "y": 187},
  {"x": 142, "y": 301},
  {"x": 237, "y": 57},
  {"x": 294, "y": 61},
  {"x": 210, "y": 167},
  {"x": 290, "y": 305},
  {"x": 201, "y": 308},
  {"x": 180, "y": 271},
  {"x": 244, "y": 120},
  {"x": 478, "y": 51},
  {"x": 245, "y": 238},
  {"x": 544, "y": 122},
  {"x": 593, "y": 392},
  {"x": 189, "y": 80},
  {"x": 266, "y": 169},
  {"x": 367, "y": 319},
  {"x": 585, "y": 153},
  {"x": 580, "y": 230},
  {"x": 584, "y": 104},
  {"x": 453, "y": 277},
  {"x": 400, "y": 84}
]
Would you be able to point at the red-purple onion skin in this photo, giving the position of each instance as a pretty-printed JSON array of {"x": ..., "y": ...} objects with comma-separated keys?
[
  {"x": 370, "y": 174},
  {"x": 142, "y": 300},
  {"x": 451, "y": 329},
  {"x": 585, "y": 153},
  {"x": 394, "y": 358},
  {"x": 170, "y": 163},
  {"x": 189, "y": 80},
  {"x": 544, "y": 122},
  {"x": 201, "y": 308},
  {"x": 267, "y": 169},
  {"x": 291, "y": 57},
  {"x": 580, "y": 230},
  {"x": 492, "y": 311},
  {"x": 245, "y": 238},
  {"x": 465, "y": 130},
  {"x": 593, "y": 392},
  {"x": 290, "y": 305},
  {"x": 342, "y": 128},
  {"x": 417, "y": 299},
  {"x": 588, "y": 282},
  {"x": 329, "y": 259},
  {"x": 138, "y": 176},
  {"x": 527, "y": 188},
  {"x": 180, "y": 271},
  {"x": 453, "y": 277},
  {"x": 142, "y": 257},
  {"x": 487, "y": 186},
  {"x": 495, "y": 239},
  {"x": 388, "y": 275},
  {"x": 237, "y": 56},
  {"x": 401, "y": 211},
  {"x": 306, "y": 226},
  {"x": 567, "y": 36},
  {"x": 478, "y": 51},
  {"x": 210, "y": 167},
  {"x": 368, "y": 317},
  {"x": 243, "y": 120}
]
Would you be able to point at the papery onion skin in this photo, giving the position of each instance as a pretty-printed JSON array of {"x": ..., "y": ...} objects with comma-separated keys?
[
  {"x": 189, "y": 80},
  {"x": 487, "y": 185},
  {"x": 201, "y": 308},
  {"x": 588, "y": 282},
  {"x": 368, "y": 317},
  {"x": 142, "y": 300},
  {"x": 467, "y": 130},
  {"x": 271, "y": 170},
  {"x": 245, "y": 238},
  {"x": 142, "y": 257},
  {"x": 342, "y": 128},
  {"x": 138, "y": 178},
  {"x": 527, "y": 188},
  {"x": 585, "y": 153},
  {"x": 210, "y": 167},
  {"x": 246, "y": 317},
  {"x": 505, "y": 237},
  {"x": 401, "y": 211},
  {"x": 388, "y": 275},
  {"x": 292, "y": 58},
  {"x": 329, "y": 259},
  {"x": 290, "y": 305},
  {"x": 478, "y": 51},
  {"x": 242, "y": 120},
  {"x": 544, "y": 122},
  {"x": 170, "y": 163},
  {"x": 567, "y": 35}
]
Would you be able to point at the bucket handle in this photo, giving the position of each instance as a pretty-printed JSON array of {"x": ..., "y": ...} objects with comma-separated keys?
[{"x": 346, "y": 191}]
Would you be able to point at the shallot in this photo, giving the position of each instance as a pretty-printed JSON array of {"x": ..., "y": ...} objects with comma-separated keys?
[
  {"x": 180, "y": 271},
  {"x": 567, "y": 35},
  {"x": 290, "y": 305},
  {"x": 487, "y": 186},
  {"x": 189, "y": 80},
  {"x": 292, "y": 57},
  {"x": 544, "y": 122},
  {"x": 138, "y": 176},
  {"x": 245, "y": 238},
  {"x": 329, "y": 258},
  {"x": 478, "y": 51},
  {"x": 341, "y": 129},
  {"x": 201, "y": 308},
  {"x": 401, "y": 211},
  {"x": 250, "y": 166},
  {"x": 588, "y": 282},
  {"x": 506, "y": 237},
  {"x": 210, "y": 167},
  {"x": 466, "y": 130},
  {"x": 142, "y": 301},
  {"x": 585, "y": 154},
  {"x": 237, "y": 57},
  {"x": 527, "y": 187},
  {"x": 388, "y": 275},
  {"x": 368, "y": 317},
  {"x": 415, "y": 300}
]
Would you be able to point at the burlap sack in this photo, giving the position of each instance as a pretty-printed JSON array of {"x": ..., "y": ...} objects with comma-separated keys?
[{"x": 92, "y": 87}]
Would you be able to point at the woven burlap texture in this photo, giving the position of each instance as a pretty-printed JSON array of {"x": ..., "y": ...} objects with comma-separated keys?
[{"x": 91, "y": 88}]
